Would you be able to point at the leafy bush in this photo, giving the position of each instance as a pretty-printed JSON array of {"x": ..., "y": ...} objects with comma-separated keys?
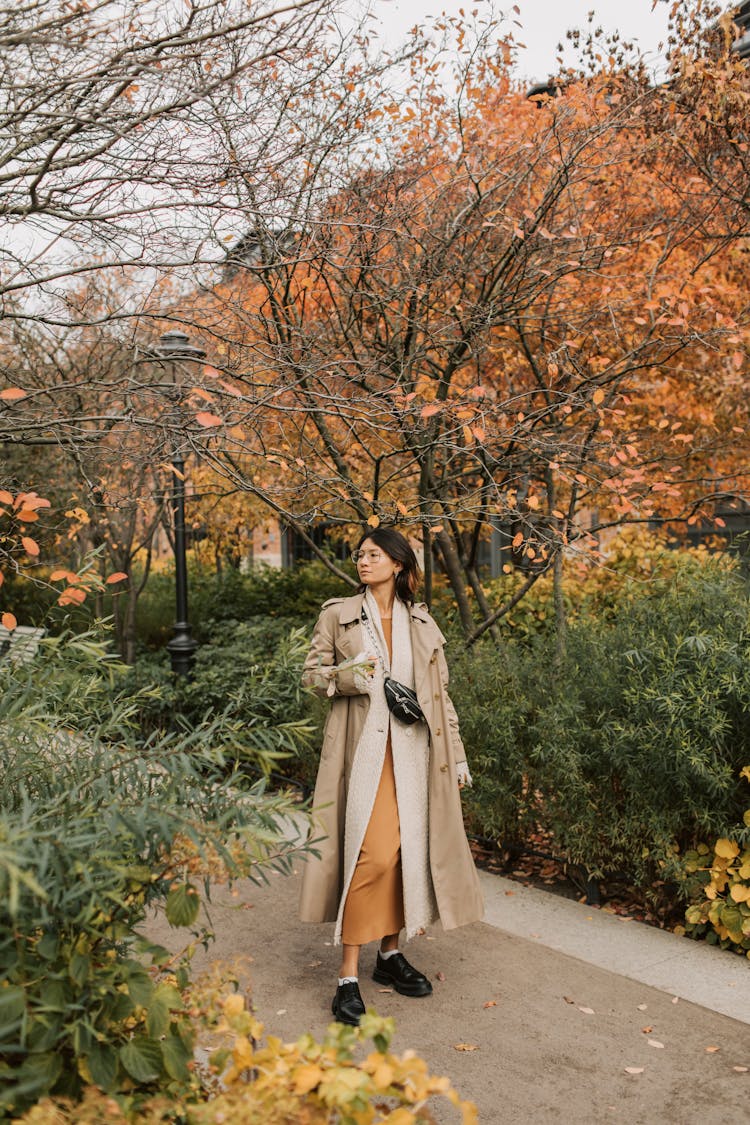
[
  {"x": 295, "y": 594},
  {"x": 283, "y": 1083},
  {"x": 248, "y": 672},
  {"x": 95, "y": 828},
  {"x": 630, "y": 746},
  {"x": 496, "y": 699},
  {"x": 718, "y": 880}
]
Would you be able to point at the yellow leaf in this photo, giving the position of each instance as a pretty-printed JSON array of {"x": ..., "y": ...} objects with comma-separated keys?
[
  {"x": 307, "y": 1077},
  {"x": 373, "y": 521},
  {"x": 233, "y": 1004},
  {"x": 383, "y": 1076},
  {"x": 465, "y": 1047},
  {"x": 727, "y": 849},
  {"x": 740, "y": 892}
]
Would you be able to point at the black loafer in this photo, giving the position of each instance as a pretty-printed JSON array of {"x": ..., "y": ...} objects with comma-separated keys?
[
  {"x": 347, "y": 1004},
  {"x": 399, "y": 974}
]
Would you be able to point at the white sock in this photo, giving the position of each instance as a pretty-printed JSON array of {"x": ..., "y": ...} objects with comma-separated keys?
[
  {"x": 348, "y": 980},
  {"x": 390, "y": 953}
]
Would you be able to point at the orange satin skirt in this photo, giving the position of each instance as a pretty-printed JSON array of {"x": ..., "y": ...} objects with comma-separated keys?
[{"x": 375, "y": 903}]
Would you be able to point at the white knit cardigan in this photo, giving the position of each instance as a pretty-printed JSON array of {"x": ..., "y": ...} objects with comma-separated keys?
[{"x": 410, "y": 746}]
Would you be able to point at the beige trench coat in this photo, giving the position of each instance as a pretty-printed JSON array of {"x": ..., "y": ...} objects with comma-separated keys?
[{"x": 338, "y": 637}]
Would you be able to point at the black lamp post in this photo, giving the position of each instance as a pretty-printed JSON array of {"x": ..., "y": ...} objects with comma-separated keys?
[{"x": 175, "y": 348}]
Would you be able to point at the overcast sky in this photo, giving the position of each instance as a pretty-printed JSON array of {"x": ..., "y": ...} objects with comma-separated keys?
[{"x": 544, "y": 23}]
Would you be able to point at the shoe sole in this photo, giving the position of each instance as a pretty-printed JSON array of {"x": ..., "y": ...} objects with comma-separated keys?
[
  {"x": 337, "y": 1017},
  {"x": 383, "y": 978}
]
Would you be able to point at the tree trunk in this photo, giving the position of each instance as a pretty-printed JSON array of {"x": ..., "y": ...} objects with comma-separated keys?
[
  {"x": 561, "y": 622},
  {"x": 457, "y": 579}
]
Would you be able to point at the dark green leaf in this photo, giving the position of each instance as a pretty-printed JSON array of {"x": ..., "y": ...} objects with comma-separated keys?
[
  {"x": 102, "y": 1060},
  {"x": 176, "y": 1057},
  {"x": 183, "y": 904},
  {"x": 142, "y": 1059}
]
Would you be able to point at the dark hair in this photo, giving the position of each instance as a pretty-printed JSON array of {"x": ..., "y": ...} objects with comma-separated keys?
[{"x": 397, "y": 547}]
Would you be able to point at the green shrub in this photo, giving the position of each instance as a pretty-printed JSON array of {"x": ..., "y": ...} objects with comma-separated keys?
[
  {"x": 630, "y": 747},
  {"x": 294, "y": 593},
  {"x": 95, "y": 828},
  {"x": 495, "y": 696},
  {"x": 249, "y": 672}
]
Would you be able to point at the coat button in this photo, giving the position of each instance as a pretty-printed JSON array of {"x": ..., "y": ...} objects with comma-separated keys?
[{"x": 443, "y": 769}]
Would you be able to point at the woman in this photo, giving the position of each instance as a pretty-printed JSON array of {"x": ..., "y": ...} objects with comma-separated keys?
[{"x": 394, "y": 854}]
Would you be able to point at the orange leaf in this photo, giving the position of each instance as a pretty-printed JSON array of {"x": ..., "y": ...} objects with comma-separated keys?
[
  {"x": 373, "y": 521},
  {"x": 428, "y": 411},
  {"x": 11, "y": 394},
  {"x": 203, "y": 418},
  {"x": 9, "y": 621},
  {"x": 30, "y": 546},
  {"x": 598, "y": 396},
  {"x": 5, "y": 497},
  {"x": 478, "y": 433},
  {"x": 517, "y": 540},
  {"x": 119, "y": 576},
  {"x": 72, "y": 596},
  {"x": 26, "y": 515},
  {"x": 465, "y": 1047},
  {"x": 57, "y": 575}
]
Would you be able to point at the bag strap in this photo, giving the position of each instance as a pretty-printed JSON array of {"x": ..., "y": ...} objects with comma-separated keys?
[{"x": 366, "y": 621}]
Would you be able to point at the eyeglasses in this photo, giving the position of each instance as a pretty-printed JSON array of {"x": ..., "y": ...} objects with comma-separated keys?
[{"x": 366, "y": 556}]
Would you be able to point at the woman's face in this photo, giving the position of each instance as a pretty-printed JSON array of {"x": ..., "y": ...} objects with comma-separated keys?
[{"x": 374, "y": 566}]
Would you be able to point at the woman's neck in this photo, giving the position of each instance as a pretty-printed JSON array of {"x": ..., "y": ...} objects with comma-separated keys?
[{"x": 384, "y": 595}]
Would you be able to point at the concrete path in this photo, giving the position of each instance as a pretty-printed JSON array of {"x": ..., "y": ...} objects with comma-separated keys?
[{"x": 558, "y": 1000}]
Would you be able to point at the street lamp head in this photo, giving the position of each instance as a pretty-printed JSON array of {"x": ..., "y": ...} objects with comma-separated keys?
[{"x": 175, "y": 345}]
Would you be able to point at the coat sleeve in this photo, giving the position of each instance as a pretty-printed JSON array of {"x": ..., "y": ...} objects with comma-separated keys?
[
  {"x": 457, "y": 746},
  {"x": 319, "y": 669}
]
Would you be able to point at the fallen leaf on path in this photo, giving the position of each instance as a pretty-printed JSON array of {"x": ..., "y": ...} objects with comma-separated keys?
[
  {"x": 385, "y": 990},
  {"x": 655, "y": 1043},
  {"x": 281, "y": 1012},
  {"x": 490, "y": 1004},
  {"x": 675, "y": 999},
  {"x": 647, "y": 1030},
  {"x": 634, "y": 1069},
  {"x": 509, "y": 893},
  {"x": 314, "y": 964},
  {"x": 740, "y": 1069},
  {"x": 440, "y": 976},
  {"x": 642, "y": 1007},
  {"x": 465, "y": 1047},
  {"x": 712, "y": 1050},
  {"x": 568, "y": 999},
  {"x": 586, "y": 1011}
]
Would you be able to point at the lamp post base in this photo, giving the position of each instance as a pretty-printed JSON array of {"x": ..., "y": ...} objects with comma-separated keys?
[{"x": 181, "y": 649}]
